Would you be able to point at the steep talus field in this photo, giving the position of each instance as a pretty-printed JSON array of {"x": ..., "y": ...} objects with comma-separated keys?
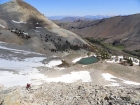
[
  {"x": 22, "y": 24},
  {"x": 121, "y": 29}
]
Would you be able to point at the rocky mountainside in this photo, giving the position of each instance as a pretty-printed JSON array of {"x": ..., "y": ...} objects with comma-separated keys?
[
  {"x": 70, "y": 94},
  {"x": 121, "y": 29},
  {"x": 24, "y": 25}
]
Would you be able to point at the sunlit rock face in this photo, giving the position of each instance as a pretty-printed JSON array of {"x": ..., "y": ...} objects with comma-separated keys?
[{"x": 24, "y": 25}]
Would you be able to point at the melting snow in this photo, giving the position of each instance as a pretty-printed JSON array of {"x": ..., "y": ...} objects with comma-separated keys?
[
  {"x": 2, "y": 42},
  {"x": 27, "y": 64},
  {"x": 2, "y": 26},
  {"x": 116, "y": 59},
  {"x": 9, "y": 79},
  {"x": 131, "y": 83},
  {"x": 110, "y": 77},
  {"x": 21, "y": 72},
  {"x": 27, "y": 73},
  {"x": 76, "y": 60},
  {"x": 25, "y": 33},
  {"x": 18, "y": 22},
  {"x": 38, "y": 27},
  {"x": 54, "y": 63},
  {"x": 84, "y": 76},
  {"x": 19, "y": 51}
]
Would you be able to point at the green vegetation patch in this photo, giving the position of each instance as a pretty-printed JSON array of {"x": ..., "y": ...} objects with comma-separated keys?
[{"x": 116, "y": 47}]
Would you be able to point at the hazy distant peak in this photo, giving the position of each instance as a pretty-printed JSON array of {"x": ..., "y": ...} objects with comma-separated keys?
[{"x": 17, "y": 0}]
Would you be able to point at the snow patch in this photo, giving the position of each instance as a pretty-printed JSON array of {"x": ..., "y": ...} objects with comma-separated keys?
[
  {"x": 118, "y": 59},
  {"x": 84, "y": 76},
  {"x": 38, "y": 27},
  {"x": 2, "y": 26},
  {"x": 9, "y": 79},
  {"x": 2, "y": 42},
  {"x": 27, "y": 73},
  {"x": 54, "y": 63},
  {"x": 27, "y": 64},
  {"x": 113, "y": 84},
  {"x": 24, "y": 71},
  {"x": 18, "y": 22},
  {"x": 76, "y": 60},
  {"x": 131, "y": 83},
  {"x": 108, "y": 77},
  {"x": 25, "y": 33},
  {"x": 19, "y": 51},
  {"x": 32, "y": 76}
]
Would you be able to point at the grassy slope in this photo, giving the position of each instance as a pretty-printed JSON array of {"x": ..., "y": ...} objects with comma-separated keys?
[{"x": 113, "y": 49}]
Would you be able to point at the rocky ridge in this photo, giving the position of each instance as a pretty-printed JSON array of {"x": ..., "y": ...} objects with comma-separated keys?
[{"x": 70, "y": 94}]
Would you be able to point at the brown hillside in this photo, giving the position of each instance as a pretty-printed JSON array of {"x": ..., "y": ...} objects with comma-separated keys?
[{"x": 124, "y": 29}]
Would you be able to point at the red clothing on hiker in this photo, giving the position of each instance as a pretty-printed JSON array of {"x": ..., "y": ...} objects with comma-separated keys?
[{"x": 28, "y": 86}]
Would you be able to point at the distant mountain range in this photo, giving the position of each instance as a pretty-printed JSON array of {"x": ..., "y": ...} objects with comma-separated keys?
[
  {"x": 76, "y": 18},
  {"x": 122, "y": 29}
]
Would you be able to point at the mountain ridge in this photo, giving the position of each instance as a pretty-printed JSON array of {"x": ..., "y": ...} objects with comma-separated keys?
[
  {"x": 119, "y": 28},
  {"x": 22, "y": 24},
  {"x": 76, "y": 18}
]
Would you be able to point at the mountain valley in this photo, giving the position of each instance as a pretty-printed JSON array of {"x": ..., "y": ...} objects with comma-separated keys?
[{"x": 40, "y": 59}]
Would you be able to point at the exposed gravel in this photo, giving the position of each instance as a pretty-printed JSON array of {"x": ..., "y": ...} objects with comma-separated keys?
[{"x": 71, "y": 94}]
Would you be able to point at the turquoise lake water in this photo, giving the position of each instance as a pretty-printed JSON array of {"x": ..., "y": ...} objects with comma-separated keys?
[{"x": 88, "y": 60}]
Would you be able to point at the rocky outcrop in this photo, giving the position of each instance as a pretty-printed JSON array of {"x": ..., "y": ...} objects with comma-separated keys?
[{"x": 70, "y": 94}]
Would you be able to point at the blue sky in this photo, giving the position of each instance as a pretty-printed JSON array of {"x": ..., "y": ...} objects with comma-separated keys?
[{"x": 85, "y": 7}]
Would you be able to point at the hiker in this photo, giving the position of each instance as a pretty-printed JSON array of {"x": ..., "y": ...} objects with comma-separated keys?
[{"x": 28, "y": 86}]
